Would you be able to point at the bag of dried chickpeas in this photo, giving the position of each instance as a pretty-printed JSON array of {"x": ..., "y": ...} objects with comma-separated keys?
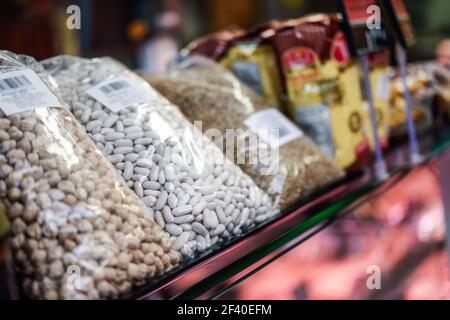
[
  {"x": 78, "y": 232},
  {"x": 267, "y": 146},
  {"x": 199, "y": 198}
]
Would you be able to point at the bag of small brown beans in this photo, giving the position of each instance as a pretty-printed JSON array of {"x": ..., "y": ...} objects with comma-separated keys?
[{"x": 78, "y": 232}]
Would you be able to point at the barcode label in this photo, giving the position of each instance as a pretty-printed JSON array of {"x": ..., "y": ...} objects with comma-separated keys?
[
  {"x": 315, "y": 121},
  {"x": 273, "y": 127},
  {"x": 23, "y": 90},
  {"x": 122, "y": 92},
  {"x": 383, "y": 86},
  {"x": 14, "y": 83},
  {"x": 114, "y": 86}
]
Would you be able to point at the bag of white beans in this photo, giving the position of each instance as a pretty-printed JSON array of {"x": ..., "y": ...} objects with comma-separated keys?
[
  {"x": 199, "y": 198},
  {"x": 78, "y": 232}
]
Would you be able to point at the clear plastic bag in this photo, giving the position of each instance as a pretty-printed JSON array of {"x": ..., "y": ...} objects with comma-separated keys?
[
  {"x": 198, "y": 197},
  {"x": 206, "y": 92},
  {"x": 77, "y": 231}
]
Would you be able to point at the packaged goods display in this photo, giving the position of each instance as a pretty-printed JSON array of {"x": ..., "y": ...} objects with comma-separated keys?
[
  {"x": 198, "y": 197},
  {"x": 252, "y": 59},
  {"x": 77, "y": 230},
  {"x": 322, "y": 86},
  {"x": 224, "y": 150},
  {"x": 206, "y": 92},
  {"x": 424, "y": 95},
  {"x": 381, "y": 89},
  {"x": 439, "y": 76}
]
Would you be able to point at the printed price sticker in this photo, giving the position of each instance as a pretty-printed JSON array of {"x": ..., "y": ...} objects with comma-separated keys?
[
  {"x": 121, "y": 92},
  {"x": 269, "y": 123},
  {"x": 23, "y": 90}
]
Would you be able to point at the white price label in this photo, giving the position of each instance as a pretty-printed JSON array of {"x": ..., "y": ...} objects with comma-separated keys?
[
  {"x": 383, "y": 86},
  {"x": 23, "y": 90},
  {"x": 273, "y": 127},
  {"x": 121, "y": 92}
]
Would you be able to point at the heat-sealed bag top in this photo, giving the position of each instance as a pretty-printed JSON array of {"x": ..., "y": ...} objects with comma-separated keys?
[
  {"x": 267, "y": 146},
  {"x": 213, "y": 45},
  {"x": 77, "y": 230},
  {"x": 198, "y": 197}
]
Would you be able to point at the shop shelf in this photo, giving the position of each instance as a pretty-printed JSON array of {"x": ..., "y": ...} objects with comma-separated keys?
[{"x": 214, "y": 273}]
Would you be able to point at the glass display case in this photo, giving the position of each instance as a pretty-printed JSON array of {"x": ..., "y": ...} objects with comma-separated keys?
[{"x": 363, "y": 239}]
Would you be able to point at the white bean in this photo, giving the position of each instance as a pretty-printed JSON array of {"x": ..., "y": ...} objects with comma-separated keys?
[
  {"x": 93, "y": 124},
  {"x": 123, "y": 150},
  {"x": 142, "y": 171},
  {"x": 168, "y": 216},
  {"x": 128, "y": 170},
  {"x": 138, "y": 189},
  {"x": 184, "y": 219},
  {"x": 145, "y": 163},
  {"x": 172, "y": 201},
  {"x": 210, "y": 219},
  {"x": 151, "y": 185},
  {"x": 110, "y": 121},
  {"x": 115, "y": 158},
  {"x": 123, "y": 143},
  {"x": 181, "y": 240},
  {"x": 161, "y": 200},
  {"x": 113, "y": 136},
  {"x": 132, "y": 157},
  {"x": 199, "y": 228},
  {"x": 181, "y": 211},
  {"x": 174, "y": 229}
]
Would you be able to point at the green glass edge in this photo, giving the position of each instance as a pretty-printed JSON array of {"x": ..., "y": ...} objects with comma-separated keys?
[{"x": 440, "y": 147}]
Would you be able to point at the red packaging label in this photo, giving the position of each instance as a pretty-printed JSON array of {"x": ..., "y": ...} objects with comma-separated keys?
[
  {"x": 339, "y": 49},
  {"x": 298, "y": 58}
]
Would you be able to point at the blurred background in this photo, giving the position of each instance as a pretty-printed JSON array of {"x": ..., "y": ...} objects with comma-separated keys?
[
  {"x": 400, "y": 234},
  {"x": 146, "y": 33}
]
